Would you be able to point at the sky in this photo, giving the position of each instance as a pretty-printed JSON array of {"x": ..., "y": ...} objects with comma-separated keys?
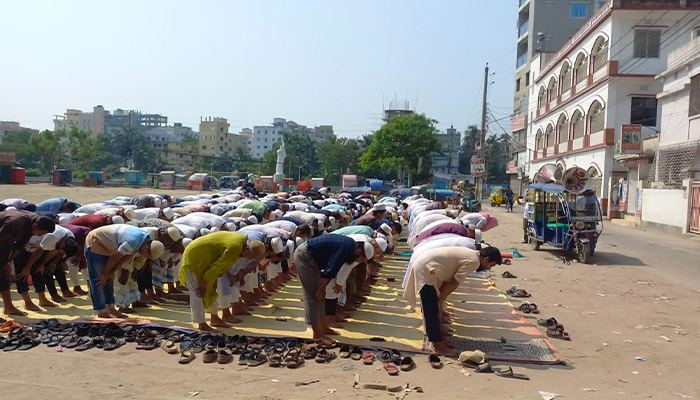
[{"x": 312, "y": 61}]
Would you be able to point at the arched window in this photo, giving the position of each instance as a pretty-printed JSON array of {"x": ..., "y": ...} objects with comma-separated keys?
[
  {"x": 596, "y": 181},
  {"x": 597, "y": 116},
  {"x": 549, "y": 136},
  {"x": 600, "y": 54},
  {"x": 565, "y": 74},
  {"x": 562, "y": 129},
  {"x": 581, "y": 66},
  {"x": 539, "y": 143},
  {"x": 552, "y": 90},
  {"x": 578, "y": 126},
  {"x": 542, "y": 98}
]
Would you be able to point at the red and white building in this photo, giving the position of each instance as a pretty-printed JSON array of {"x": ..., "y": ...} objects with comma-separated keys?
[{"x": 602, "y": 79}]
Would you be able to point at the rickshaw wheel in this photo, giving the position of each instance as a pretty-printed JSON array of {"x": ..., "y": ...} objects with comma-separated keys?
[{"x": 584, "y": 252}]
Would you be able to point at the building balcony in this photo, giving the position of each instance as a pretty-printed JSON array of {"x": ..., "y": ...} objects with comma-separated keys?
[
  {"x": 603, "y": 138},
  {"x": 523, "y": 29},
  {"x": 522, "y": 60},
  {"x": 512, "y": 168}
]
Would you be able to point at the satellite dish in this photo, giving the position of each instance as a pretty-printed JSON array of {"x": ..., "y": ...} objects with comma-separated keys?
[
  {"x": 549, "y": 173},
  {"x": 576, "y": 180}
]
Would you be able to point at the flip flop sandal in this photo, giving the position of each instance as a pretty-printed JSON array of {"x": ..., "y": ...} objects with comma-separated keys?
[
  {"x": 209, "y": 356},
  {"x": 507, "y": 274},
  {"x": 512, "y": 290},
  {"x": 558, "y": 332},
  {"x": 110, "y": 344},
  {"x": 295, "y": 362},
  {"x": 71, "y": 341},
  {"x": 435, "y": 361},
  {"x": 186, "y": 356},
  {"x": 145, "y": 344},
  {"x": 85, "y": 344},
  {"x": 325, "y": 356},
  {"x": 257, "y": 359},
  {"x": 53, "y": 341},
  {"x": 384, "y": 356},
  {"x": 368, "y": 358},
  {"x": 224, "y": 357},
  {"x": 390, "y": 368},
  {"x": 356, "y": 353},
  {"x": 396, "y": 356},
  {"x": 521, "y": 293},
  {"x": 12, "y": 344},
  {"x": 547, "y": 322},
  {"x": 169, "y": 347},
  {"x": 27, "y": 343},
  {"x": 407, "y": 364},
  {"x": 533, "y": 308},
  {"x": 310, "y": 353},
  {"x": 99, "y": 341},
  {"x": 45, "y": 338},
  {"x": 525, "y": 307},
  {"x": 197, "y": 346},
  {"x": 281, "y": 346},
  {"x": 508, "y": 373},
  {"x": 232, "y": 342},
  {"x": 244, "y": 358},
  {"x": 3, "y": 341},
  {"x": 130, "y": 336},
  {"x": 275, "y": 359},
  {"x": 345, "y": 351}
]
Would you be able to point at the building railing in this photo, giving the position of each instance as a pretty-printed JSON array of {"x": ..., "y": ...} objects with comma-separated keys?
[
  {"x": 522, "y": 59},
  {"x": 524, "y": 28}
]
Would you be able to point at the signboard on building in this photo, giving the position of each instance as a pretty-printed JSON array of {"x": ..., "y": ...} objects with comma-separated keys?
[
  {"x": 478, "y": 166},
  {"x": 631, "y": 138}
]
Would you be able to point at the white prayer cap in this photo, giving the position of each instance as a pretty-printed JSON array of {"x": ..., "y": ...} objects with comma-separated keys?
[
  {"x": 186, "y": 242},
  {"x": 216, "y": 209},
  {"x": 242, "y": 224},
  {"x": 215, "y": 229},
  {"x": 380, "y": 207},
  {"x": 299, "y": 241},
  {"x": 129, "y": 213},
  {"x": 278, "y": 213},
  {"x": 477, "y": 235},
  {"x": 117, "y": 219},
  {"x": 157, "y": 249},
  {"x": 290, "y": 246},
  {"x": 369, "y": 250},
  {"x": 231, "y": 226},
  {"x": 174, "y": 233},
  {"x": 157, "y": 201},
  {"x": 382, "y": 243},
  {"x": 342, "y": 213},
  {"x": 385, "y": 228},
  {"x": 253, "y": 219},
  {"x": 332, "y": 219},
  {"x": 205, "y": 231},
  {"x": 168, "y": 212},
  {"x": 277, "y": 245}
]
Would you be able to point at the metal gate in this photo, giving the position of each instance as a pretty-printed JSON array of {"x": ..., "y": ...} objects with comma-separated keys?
[{"x": 695, "y": 209}]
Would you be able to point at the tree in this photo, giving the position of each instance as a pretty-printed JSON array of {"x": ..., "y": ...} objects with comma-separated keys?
[
  {"x": 51, "y": 148},
  {"x": 338, "y": 156},
  {"x": 301, "y": 157},
  {"x": 18, "y": 142},
  {"x": 84, "y": 150},
  {"x": 471, "y": 137},
  {"x": 130, "y": 145},
  {"x": 406, "y": 141},
  {"x": 496, "y": 155}
]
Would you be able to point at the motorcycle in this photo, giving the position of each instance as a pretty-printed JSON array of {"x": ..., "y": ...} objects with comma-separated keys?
[{"x": 472, "y": 205}]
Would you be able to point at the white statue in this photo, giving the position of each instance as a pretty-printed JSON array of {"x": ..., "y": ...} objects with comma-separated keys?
[{"x": 281, "y": 155}]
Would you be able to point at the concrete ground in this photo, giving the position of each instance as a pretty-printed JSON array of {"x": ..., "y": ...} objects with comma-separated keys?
[{"x": 639, "y": 298}]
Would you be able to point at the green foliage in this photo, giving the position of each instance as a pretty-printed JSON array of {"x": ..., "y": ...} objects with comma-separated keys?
[
  {"x": 84, "y": 150},
  {"x": 129, "y": 144},
  {"x": 471, "y": 137},
  {"x": 338, "y": 156},
  {"x": 18, "y": 143},
  {"x": 301, "y": 157},
  {"x": 496, "y": 155},
  {"x": 52, "y": 149},
  {"x": 402, "y": 142}
]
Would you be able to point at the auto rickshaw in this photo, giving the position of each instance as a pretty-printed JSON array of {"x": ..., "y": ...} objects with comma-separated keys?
[
  {"x": 497, "y": 197},
  {"x": 568, "y": 221}
]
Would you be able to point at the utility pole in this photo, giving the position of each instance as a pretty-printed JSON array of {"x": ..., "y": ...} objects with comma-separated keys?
[{"x": 482, "y": 138}]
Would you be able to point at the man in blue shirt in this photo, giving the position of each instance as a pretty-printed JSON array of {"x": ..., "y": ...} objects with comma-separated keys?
[
  {"x": 57, "y": 205},
  {"x": 318, "y": 261}
]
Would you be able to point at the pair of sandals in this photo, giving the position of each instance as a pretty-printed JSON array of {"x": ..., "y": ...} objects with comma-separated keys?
[
  {"x": 529, "y": 308},
  {"x": 221, "y": 356},
  {"x": 392, "y": 361},
  {"x": 516, "y": 292},
  {"x": 349, "y": 351},
  {"x": 324, "y": 356},
  {"x": 554, "y": 328},
  {"x": 18, "y": 343},
  {"x": 252, "y": 359},
  {"x": 505, "y": 371},
  {"x": 292, "y": 359}
]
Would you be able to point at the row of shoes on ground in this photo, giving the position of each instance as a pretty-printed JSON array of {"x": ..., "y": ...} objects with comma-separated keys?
[{"x": 554, "y": 328}]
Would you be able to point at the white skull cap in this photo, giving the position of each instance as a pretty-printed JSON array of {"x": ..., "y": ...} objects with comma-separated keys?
[
  {"x": 369, "y": 250},
  {"x": 168, "y": 212},
  {"x": 382, "y": 243},
  {"x": 117, "y": 219},
  {"x": 253, "y": 219}
]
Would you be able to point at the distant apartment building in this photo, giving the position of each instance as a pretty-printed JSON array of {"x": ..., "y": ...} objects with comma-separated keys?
[
  {"x": 215, "y": 139},
  {"x": 12, "y": 126},
  {"x": 543, "y": 27},
  {"x": 265, "y": 136},
  {"x": 601, "y": 82},
  {"x": 101, "y": 121},
  {"x": 247, "y": 137},
  {"x": 447, "y": 160},
  {"x": 171, "y": 146},
  {"x": 323, "y": 132},
  {"x": 395, "y": 109}
]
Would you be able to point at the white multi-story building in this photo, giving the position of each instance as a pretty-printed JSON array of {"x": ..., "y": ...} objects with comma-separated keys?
[
  {"x": 602, "y": 79},
  {"x": 266, "y": 135}
]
